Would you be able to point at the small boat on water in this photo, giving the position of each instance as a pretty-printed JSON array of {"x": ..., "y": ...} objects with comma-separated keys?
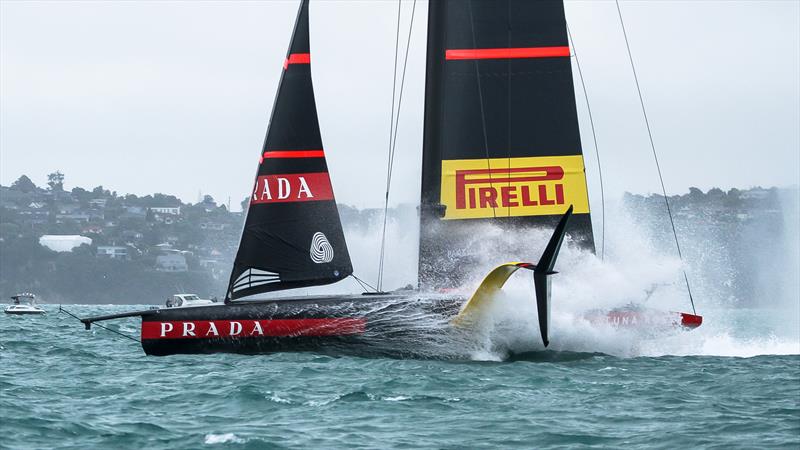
[
  {"x": 501, "y": 149},
  {"x": 24, "y": 303},
  {"x": 187, "y": 300}
]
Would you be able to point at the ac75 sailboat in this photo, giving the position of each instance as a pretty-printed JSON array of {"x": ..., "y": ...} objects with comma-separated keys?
[{"x": 501, "y": 146}]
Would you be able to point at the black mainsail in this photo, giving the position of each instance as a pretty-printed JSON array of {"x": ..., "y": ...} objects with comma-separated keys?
[
  {"x": 292, "y": 235},
  {"x": 501, "y": 139}
]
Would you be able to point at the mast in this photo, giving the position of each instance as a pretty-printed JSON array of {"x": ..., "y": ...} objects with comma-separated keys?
[
  {"x": 431, "y": 167},
  {"x": 292, "y": 235},
  {"x": 431, "y": 247},
  {"x": 501, "y": 143}
]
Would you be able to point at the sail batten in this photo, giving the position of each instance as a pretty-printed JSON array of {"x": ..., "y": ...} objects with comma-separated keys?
[{"x": 292, "y": 236}]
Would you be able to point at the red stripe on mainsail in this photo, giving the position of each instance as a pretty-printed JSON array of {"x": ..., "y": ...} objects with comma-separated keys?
[
  {"x": 297, "y": 58},
  {"x": 506, "y": 53},
  {"x": 294, "y": 154},
  {"x": 215, "y": 329}
]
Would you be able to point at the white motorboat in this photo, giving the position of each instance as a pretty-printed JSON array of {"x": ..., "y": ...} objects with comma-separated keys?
[
  {"x": 24, "y": 303},
  {"x": 186, "y": 300}
]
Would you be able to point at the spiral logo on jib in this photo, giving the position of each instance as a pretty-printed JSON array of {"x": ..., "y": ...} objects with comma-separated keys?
[{"x": 321, "y": 249}]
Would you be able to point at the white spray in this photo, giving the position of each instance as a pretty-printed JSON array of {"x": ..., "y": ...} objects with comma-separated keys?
[{"x": 633, "y": 271}]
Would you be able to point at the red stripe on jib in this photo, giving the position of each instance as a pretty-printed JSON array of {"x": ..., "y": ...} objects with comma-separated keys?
[
  {"x": 297, "y": 58},
  {"x": 506, "y": 53},
  {"x": 294, "y": 187},
  {"x": 216, "y": 329},
  {"x": 294, "y": 154}
]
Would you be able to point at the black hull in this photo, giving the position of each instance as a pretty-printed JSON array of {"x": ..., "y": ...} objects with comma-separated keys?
[{"x": 380, "y": 325}]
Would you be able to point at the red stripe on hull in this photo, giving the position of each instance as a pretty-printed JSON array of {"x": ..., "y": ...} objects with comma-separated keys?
[
  {"x": 691, "y": 320},
  {"x": 243, "y": 329},
  {"x": 645, "y": 318},
  {"x": 506, "y": 53}
]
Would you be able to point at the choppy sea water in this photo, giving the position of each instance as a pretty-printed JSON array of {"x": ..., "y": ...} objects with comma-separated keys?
[{"x": 63, "y": 387}]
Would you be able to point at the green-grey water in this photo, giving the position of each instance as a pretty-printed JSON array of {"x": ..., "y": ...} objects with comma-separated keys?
[{"x": 63, "y": 387}]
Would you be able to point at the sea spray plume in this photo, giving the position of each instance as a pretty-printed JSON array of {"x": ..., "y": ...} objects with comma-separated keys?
[
  {"x": 745, "y": 267},
  {"x": 638, "y": 269},
  {"x": 777, "y": 286},
  {"x": 585, "y": 283}
]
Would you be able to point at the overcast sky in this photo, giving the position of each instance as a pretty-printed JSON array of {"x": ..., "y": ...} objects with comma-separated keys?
[{"x": 174, "y": 97}]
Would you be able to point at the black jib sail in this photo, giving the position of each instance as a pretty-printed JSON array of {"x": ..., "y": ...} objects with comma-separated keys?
[
  {"x": 292, "y": 235},
  {"x": 501, "y": 140}
]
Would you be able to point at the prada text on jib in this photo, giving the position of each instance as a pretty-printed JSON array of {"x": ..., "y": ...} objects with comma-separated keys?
[{"x": 300, "y": 187}]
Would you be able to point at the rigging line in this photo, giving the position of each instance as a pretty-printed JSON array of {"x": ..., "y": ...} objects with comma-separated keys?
[
  {"x": 400, "y": 97},
  {"x": 480, "y": 98},
  {"x": 360, "y": 284},
  {"x": 393, "y": 147},
  {"x": 364, "y": 282},
  {"x": 596, "y": 149},
  {"x": 117, "y": 332},
  {"x": 655, "y": 154},
  {"x": 60, "y": 309},
  {"x": 508, "y": 99},
  {"x": 389, "y": 149}
]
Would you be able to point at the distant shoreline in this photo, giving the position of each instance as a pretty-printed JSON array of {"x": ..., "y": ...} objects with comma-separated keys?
[{"x": 70, "y": 246}]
